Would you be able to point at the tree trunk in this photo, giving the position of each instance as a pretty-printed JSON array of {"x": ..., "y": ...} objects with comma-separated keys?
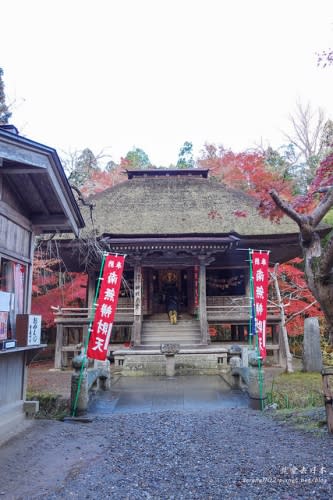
[
  {"x": 318, "y": 260},
  {"x": 289, "y": 362},
  {"x": 321, "y": 286}
]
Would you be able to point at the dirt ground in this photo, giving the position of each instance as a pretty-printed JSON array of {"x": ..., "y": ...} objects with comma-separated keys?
[
  {"x": 42, "y": 377},
  {"x": 190, "y": 455},
  {"x": 137, "y": 454}
]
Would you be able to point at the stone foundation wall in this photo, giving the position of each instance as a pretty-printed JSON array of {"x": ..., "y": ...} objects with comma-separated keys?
[
  {"x": 12, "y": 421},
  {"x": 185, "y": 364}
]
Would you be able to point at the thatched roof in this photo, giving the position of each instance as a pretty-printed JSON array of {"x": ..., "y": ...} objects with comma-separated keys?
[{"x": 168, "y": 205}]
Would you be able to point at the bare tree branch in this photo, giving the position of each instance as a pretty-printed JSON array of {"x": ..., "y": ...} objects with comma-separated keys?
[
  {"x": 324, "y": 206},
  {"x": 304, "y": 221},
  {"x": 286, "y": 207},
  {"x": 81, "y": 198},
  {"x": 290, "y": 318},
  {"x": 307, "y": 130}
]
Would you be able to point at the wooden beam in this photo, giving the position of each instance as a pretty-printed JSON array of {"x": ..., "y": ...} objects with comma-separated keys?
[
  {"x": 22, "y": 154},
  {"x": 55, "y": 221},
  {"x": 24, "y": 170}
]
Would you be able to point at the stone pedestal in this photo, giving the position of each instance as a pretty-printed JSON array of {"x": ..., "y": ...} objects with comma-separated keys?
[
  {"x": 170, "y": 351},
  {"x": 104, "y": 377},
  {"x": 170, "y": 365},
  {"x": 256, "y": 383},
  {"x": 79, "y": 400}
]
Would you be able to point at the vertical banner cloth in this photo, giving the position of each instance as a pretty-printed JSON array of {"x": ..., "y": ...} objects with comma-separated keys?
[
  {"x": 260, "y": 291},
  {"x": 106, "y": 307}
]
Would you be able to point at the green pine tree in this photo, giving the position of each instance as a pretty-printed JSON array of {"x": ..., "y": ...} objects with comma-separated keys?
[
  {"x": 5, "y": 114},
  {"x": 185, "y": 156}
]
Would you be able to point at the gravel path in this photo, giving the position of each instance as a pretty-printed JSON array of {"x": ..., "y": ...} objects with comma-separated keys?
[{"x": 231, "y": 453}]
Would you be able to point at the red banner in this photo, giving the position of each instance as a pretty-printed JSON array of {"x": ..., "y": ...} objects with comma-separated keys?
[
  {"x": 106, "y": 307},
  {"x": 260, "y": 262}
]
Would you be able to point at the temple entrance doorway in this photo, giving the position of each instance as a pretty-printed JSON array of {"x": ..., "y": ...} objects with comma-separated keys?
[{"x": 171, "y": 282}]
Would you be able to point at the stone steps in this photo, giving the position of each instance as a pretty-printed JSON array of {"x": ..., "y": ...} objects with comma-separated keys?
[{"x": 185, "y": 332}]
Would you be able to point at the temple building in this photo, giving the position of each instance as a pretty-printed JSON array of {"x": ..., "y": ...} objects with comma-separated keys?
[
  {"x": 184, "y": 232},
  {"x": 35, "y": 199}
]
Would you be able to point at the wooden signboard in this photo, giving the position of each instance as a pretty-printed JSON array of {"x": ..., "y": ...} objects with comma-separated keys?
[{"x": 28, "y": 329}]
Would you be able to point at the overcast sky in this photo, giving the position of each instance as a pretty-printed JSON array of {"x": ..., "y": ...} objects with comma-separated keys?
[{"x": 117, "y": 74}]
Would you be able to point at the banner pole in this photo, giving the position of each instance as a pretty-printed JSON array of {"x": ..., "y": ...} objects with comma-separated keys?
[
  {"x": 252, "y": 318},
  {"x": 260, "y": 375},
  {"x": 256, "y": 340},
  {"x": 88, "y": 335}
]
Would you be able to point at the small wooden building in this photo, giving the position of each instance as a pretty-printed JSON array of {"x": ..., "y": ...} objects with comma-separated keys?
[
  {"x": 179, "y": 228},
  {"x": 35, "y": 198}
]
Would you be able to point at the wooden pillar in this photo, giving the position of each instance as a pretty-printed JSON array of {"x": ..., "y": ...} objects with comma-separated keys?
[
  {"x": 91, "y": 290},
  {"x": 58, "y": 346},
  {"x": 28, "y": 284},
  {"x": 203, "y": 302},
  {"x": 275, "y": 341},
  {"x": 150, "y": 288},
  {"x": 90, "y": 297},
  {"x": 328, "y": 397},
  {"x": 136, "y": 339}
]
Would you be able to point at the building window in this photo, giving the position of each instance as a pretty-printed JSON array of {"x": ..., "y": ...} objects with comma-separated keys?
[{"x": 13, "y": 281}]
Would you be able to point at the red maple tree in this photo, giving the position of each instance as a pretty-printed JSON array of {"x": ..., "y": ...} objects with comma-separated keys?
[
  {"x": 247, "y": 171},
  {"x": 100, "y": 180},
  {"x": 299, "y": 303},
  {"x": 70, "y": 294},
  {"x": 48, "y": 290},
  {"x": 250, "y": 172}
]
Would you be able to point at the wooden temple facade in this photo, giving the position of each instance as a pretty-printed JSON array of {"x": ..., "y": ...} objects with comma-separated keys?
[
  {"x": 177, "y": 228},
  {"x": 35, "y": 198}
]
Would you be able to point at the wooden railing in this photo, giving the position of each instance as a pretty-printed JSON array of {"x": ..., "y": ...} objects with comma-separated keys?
[
  {"x": 223, "y": 309},
  {"x": 72, "y": 327},
  {"x": 235, "y": 310},
  {"x": 82, "y": 315}
]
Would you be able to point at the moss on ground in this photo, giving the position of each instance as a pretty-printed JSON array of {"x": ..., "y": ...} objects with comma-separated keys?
[{"x": 51, "y": 406}]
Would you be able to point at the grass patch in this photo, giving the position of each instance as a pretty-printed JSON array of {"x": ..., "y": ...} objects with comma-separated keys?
[
  {"x": 310, "y": 420},
  {"x": 51, "y": 406},
  {"x": 300, "y": 402},
  {"x": 296, "y": 390}
]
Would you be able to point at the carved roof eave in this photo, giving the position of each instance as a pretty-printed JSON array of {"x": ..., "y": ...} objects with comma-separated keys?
[
  {"x": 178, "y": 251},
  {"x": 192, "y": 244}
]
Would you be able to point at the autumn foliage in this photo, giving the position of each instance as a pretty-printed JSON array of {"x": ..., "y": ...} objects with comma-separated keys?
[
  {"x": 52, "y": 288},
  {"x": 99, "y": 180},
  {"x": 299, "y": 302},
  {"x": 249, "y": 172}
]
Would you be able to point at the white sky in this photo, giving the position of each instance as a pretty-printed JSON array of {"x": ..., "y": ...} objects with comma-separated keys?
[{"x": 115, "y": 74}]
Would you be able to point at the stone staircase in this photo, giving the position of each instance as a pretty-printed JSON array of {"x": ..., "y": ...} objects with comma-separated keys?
[{"x": 159, "y": 331}]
